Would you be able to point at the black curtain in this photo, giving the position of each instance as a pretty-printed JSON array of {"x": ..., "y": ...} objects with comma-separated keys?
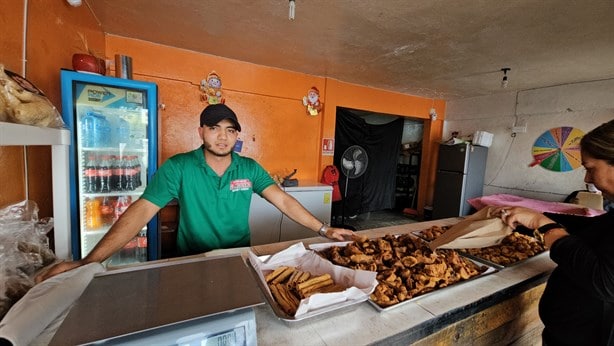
[{"x": 374, "y": 190}]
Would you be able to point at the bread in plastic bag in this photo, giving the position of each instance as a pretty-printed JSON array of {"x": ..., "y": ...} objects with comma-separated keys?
[
  {"x": 24, "y": 251},
  {"x": 23, "y": 103}
]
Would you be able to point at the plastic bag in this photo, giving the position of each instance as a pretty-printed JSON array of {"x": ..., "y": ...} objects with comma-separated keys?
[
  {"x": 23, "y": 103},
  {"x": 24, "y": 251}
]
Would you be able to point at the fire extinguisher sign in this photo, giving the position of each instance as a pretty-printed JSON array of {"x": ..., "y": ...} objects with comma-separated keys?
[{"x": 328, "y": 147}]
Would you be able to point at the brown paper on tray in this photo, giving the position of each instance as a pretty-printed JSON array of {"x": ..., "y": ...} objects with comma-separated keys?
[{"x": 478, "y": 230}]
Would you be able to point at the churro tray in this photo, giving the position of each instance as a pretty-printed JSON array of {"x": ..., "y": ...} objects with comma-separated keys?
[
  {"x": 324, "y": 305},
  {"x": 485, "y": 269}
]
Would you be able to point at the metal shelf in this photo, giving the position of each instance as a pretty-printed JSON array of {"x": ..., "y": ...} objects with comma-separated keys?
[{"x": 407, "y": 183}]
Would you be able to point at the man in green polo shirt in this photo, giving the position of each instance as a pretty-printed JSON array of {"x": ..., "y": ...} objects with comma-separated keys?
[{"x": 214, "y": 187}]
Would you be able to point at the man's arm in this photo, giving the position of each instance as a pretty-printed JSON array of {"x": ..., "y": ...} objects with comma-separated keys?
[
  {"x": 294, "y": 210},
  {"x": 124, "y": 229}
]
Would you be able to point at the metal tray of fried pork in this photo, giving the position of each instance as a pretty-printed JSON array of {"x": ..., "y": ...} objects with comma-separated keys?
[
  {"x": 407, "y": 269},
  {"x": 514, "y": 249}
]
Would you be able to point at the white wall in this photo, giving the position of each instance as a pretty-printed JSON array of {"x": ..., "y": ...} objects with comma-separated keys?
[{"x": 580, "y": 105}]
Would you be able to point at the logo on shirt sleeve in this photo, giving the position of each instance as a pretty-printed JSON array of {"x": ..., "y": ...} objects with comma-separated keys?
[{"x": 240, "y": 185}]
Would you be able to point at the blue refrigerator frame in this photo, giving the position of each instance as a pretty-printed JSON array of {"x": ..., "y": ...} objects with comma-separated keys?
[{"x": 68, "y": 78}]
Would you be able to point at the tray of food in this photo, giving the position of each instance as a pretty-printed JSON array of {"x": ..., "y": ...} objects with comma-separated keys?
[
  {"x": 513, "y": 249},
  {"x": 299, "y": 285},
  {"x": 430, "y": 233},
  {"x": 406, "y": 268}
]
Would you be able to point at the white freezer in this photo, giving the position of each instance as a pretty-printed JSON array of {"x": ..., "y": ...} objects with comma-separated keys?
[{"x": 269, "y": 225}]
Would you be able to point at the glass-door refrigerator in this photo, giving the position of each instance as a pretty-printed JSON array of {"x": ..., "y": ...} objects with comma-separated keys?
[{"x": 113, "y": 122}]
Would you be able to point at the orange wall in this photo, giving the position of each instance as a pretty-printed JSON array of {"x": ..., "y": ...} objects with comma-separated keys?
[
  {"x": 11, "y": 52},
  {"x": 276, "y": 129},
  {"x": 52, "y": 38}
]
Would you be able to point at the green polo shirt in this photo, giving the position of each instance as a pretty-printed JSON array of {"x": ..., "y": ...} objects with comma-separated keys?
[{"x": 213, "y": 210}]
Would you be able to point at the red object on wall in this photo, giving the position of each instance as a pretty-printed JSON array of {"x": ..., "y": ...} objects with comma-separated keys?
[
  {"x": 88, "y": 63},
  {"x": 330, "y": 176}
]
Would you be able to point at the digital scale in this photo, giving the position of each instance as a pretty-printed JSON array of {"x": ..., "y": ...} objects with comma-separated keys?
[
  {"x": 226, "y": 329},
  {"x": 194, "y": 301}
]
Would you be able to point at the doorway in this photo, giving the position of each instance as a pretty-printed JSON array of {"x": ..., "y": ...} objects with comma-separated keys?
[{"x": 389, "y": 184}]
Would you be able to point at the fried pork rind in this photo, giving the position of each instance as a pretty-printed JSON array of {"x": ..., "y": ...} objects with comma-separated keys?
[
  {"x": 405, "y": 265},
  {"x": 430, "y": 234},
  {"x": 513, "y": 248}
]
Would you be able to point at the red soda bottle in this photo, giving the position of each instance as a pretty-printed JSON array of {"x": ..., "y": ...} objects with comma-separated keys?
[
  {"x": 115, "y": 173},
  {"x": 141, "y": 250},
  {"x": 107, "y": 211},
  {"x": 123, "y": 169},
  {"x": 90, "y": 174},
  {"x": 137, "y": 171},
  {"x": 105, "y": 173},
  {"x": 123, "y": 202},
  {"x": 130, "y": 174},
  {"x": 128, "y": 252}
]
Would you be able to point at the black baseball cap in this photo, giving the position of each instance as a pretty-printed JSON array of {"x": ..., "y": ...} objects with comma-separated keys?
[{"x": 213, "y": 114}]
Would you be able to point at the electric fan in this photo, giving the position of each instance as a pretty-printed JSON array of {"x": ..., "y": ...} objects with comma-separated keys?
[{"x": 354, "y": 163}]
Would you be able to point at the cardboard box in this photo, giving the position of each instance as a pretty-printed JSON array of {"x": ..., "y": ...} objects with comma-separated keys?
[{"x": 482, "y": 138}]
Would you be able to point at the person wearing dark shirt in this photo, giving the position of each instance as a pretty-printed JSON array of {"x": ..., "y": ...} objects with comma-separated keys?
[{"x": 577, "y": 306}]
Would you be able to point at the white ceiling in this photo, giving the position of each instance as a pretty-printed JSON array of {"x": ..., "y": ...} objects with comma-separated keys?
[{"x": 433, "y": 48}]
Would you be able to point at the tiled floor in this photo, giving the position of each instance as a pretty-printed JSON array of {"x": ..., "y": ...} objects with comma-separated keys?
[{"x": 376, "y": 219}]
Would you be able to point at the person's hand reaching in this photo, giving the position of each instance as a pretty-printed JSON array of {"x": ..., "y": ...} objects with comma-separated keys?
[{"x": 57, "y": 269}]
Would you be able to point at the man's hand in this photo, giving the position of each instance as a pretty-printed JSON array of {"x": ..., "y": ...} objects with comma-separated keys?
[
  {"x": 57, "y": 269},
  {"x": 341, "y": 234}
]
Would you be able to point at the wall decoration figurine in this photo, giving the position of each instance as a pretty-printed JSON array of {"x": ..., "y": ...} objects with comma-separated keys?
[
  {"x": 312, "y": 101},
  {"x": 212, "y": 89}
]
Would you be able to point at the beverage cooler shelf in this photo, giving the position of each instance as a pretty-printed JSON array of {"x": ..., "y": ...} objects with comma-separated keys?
[
  {"x": 132, "y": 193},
  {"x": 113, "y": 122}
]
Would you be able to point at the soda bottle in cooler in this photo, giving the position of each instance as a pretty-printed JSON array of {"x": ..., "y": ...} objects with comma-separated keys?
[
  {"x": 122, "y": 133},
  {"x": 102, "y": 131},
  {"x": 123, "y": 202},
  {"x": 128, "y": 253},
  {"x": 141, "y": 250},
  {"x": 121, "y": 180},
  {"x": 137, "y": 171},
  {"x": 90, "y": 173},
  {"x": 107, "y": 211},
  {"x": 88, "y": 128},
  {"x": 104, "y": 174},
  {"x": 130, "y": 174},
  {"x": 93, "y": 219},
  {"x": 115, "y": 173}
]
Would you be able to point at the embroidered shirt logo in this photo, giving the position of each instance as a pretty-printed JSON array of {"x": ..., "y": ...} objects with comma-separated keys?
[{"x": 240, "y": 185}]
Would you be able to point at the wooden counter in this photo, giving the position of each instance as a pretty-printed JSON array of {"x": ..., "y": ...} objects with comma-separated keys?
[{"x": 500, "y": 308}]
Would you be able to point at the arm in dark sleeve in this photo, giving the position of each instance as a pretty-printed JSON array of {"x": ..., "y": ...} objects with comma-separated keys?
[
  {"x": 572, "y": 223},
  {"x": 588, "y": 257}
]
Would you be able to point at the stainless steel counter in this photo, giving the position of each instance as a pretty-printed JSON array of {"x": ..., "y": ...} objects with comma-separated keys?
[
  {"x": 138, "y": 298},
  {"x": 168, "y": 291},
  {"x": 410, "y": 322}
]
